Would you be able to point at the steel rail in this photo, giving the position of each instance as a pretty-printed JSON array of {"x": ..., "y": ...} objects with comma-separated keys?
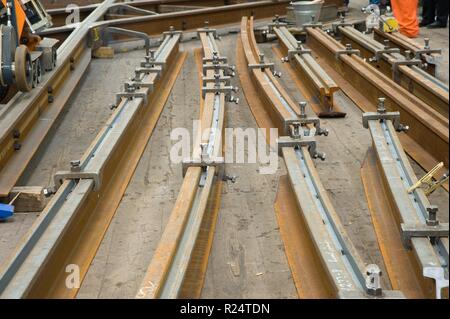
[
  {"x": 413, "y": 78},
  {"x": 186, "y": 20},
  {"x": 28, "y": 117},
  {"x": 318, "y": 82},
  {"x": 404, "y": 43},
  {"x": 428, "y": 137},
  {"x": 168, "y": 275},
  {"x": 430, "y": 256},
  {"x": 332, "y": 267},
  {"x": 71, "y": 227}
]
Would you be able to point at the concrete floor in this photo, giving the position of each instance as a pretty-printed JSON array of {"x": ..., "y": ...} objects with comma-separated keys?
[{"x": 247, "y": 259}]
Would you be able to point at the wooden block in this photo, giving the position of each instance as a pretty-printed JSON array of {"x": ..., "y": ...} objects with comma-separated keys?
[
  {"x": 103, "y": 53},
  {"x": 31, "y": 199}
]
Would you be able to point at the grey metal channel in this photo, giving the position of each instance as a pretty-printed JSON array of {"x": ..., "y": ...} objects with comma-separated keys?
[
  {"x": 340, "y": 245},
  {"x": 416, "y": 200}
]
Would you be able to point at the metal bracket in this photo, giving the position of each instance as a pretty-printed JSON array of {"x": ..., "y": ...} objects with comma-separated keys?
[
  {"x": 407, "y": 62},
  {"x": 262, "y": 65},
  {"x": 382, "y": 115},
  {"x": 223, "y": 79},
  {"x": 295, "y": 125},
  {"x": 173, "y": 32},
  {"x": 422, "y": 230},
  {"x": 229, "y": 70},
  {"x": 426, "y": 49},
  {"x": 306, "y": 141},
  {"x": 313, "y": 23},
  {"x": 336, "y": 25},
  {"x": 300, "y": 50},
  {"x": 276, "y": 24},
  {"x": 207, "y": 30},
  {"x": 204, "y": 164},
  {"x": 130, "y": 92},
  {"x": 216, "y": 59},
  {"x": 76, "y": 173},
  {"x": 142, "y": 70},
  {"x": 347, "y": 51}
]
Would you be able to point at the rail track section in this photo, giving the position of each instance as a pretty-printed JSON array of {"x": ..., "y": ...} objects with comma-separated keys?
[
  {"x": 406, "y": 71},
  {"x": 427, "y": 138},
  {"x": 429, "y": 56},
  {"x": 310, "y": 226},
  {"x": 70, "y": 229},
  {"x": 318, "y": 82},
  {"x": 188, "y": 20},
  {"x": 413, "y": 241},
  {"x": 179, "y": 264}
]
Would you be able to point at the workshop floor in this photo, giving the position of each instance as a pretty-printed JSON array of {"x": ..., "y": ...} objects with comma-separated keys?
[{"x": 247, "y": 259}]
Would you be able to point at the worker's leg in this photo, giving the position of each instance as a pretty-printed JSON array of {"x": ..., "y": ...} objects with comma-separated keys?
[
  {"x": 442, "y": 12},
  {"x": 428, "y": 12},
  {"x": 405, "y": 11}
]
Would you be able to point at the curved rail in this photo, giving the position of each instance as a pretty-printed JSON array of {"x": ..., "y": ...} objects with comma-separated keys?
[
  {"x": 310, "y": 227},
  {"x": 175, "y": 270},
  {"x": 71, "y": 227}
]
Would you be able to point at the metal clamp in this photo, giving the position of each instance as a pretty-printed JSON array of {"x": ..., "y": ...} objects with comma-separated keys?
[
  {"x": 216, "y": 59},
  {"x": 386, "y": 50},
  {"x": 347, "y": 51},
  {"x": 313, "y": 24},
  {"x": 228, "y": 70},
  {"x": 219, "y": 163},
  {"x": 295, "y": 126},
  {"x": 429, "y": 230},
  {"x": 172, "y": 32},
  {"x": 426, "y": 49},
  {"x": 382, "y": 115},
  {"x": 262, "y": 65},
  {"x": 139, "y": 71},
  {"x": 131, "y": 93},
  {"x": 373, "y": 281},
  {"x": 276, "y": 24},
  {"x": 336, "y": 25},
  {"x": 299, "y": 50},
  {"x": 207, "y": 30},
  {"x": 76, "y": 173},
  {"x": 427, "y": 180},
  {"x": 306, "y": 141},
  {"x": 150, "y": 60}
]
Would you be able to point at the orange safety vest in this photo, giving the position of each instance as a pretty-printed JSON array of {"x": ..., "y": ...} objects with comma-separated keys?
[{"x": 405, "y": 11}]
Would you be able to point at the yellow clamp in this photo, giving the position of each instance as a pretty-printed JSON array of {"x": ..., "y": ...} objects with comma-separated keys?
[{"x": 428, "y": 181}]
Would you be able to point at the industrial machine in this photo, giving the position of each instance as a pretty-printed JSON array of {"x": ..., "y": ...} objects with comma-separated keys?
[{"x": 24, "y": 55}]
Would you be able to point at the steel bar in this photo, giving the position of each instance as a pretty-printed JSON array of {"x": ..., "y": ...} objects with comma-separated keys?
[
  {"x": 431, "y": 254},
  {"x": 337, "y": 270},
  {"x": 413, "y": 78},
  {"x": 427, "y": 139},
  {"x": 317, "y": 80},
  {"x": 166, "y": 276},
  {"x": 71, "y": 228}
]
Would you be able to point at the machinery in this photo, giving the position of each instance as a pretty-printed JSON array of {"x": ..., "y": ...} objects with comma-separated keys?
[{"x": 24, "y": 55}]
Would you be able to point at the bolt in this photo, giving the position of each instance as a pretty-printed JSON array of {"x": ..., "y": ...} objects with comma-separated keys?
[
  {"x": 16, "y": 134},
  {"x": 313, "y": 18},
  {"x": 427, "y": 43},
  {"x": 277, "y": 18},
  {"x": 232, "y": 179},
  {"x": 299, "y": 45},
  {"x": 303, "y": 106},
  {"x": 277, "y": 74},
  {"x": 403, "y": 128},
  {"x": 348, "y": 47},
  {"x": 49, "y": 191},
  {"x": 408, "y": 55},
  {"x": 323, "y": 131},
  {"x": 75, "y": 163},
  {"x": 261, "y": 58},
  {"x": 320, "y": 155},
  {"x": 17, "y": 146},
  {"x": 381, "y": 108},
  {"x": 206, "y": 24},
  {"x": 386, "y": 44},
  {"x": 342, "y": 18},
  {"x": 373, "y": 282},
  {"x": 432, "y": 219}
]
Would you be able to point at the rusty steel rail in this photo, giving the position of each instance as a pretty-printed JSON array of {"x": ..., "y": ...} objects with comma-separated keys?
[
  {"x": 318, "y": 82},
  {"x": 175, "y": 270},
  {"x": 428, "y": 137},
  {"x": 185, "y": 20},
  {"x": 428, "y": 56},
  {"x": 310, "y": 227},
  {"x": 403, "y": 71},
  {"x": 71, "y": 227},
  {"x": 403, "y": 217}
]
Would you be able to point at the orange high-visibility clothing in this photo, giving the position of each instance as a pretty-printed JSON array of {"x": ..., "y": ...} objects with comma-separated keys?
[
  {"x": 405, "y": 11},
  {"x": 20, "y": 16}
]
